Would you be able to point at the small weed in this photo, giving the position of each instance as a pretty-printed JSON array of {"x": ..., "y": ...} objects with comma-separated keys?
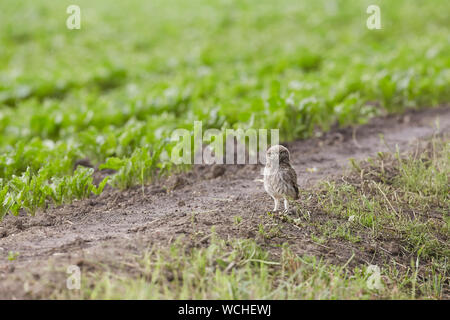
[{"x": 13, "y": 255}]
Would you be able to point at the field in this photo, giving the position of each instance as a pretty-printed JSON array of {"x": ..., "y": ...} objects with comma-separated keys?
[{"x": 86, "y": 177}]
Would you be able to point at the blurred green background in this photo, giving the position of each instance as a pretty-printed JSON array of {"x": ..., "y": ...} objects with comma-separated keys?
[{"x": 136, "y": 70}]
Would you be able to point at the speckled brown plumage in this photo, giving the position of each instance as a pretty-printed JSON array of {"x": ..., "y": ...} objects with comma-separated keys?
[{"x": 280, "y": 179}]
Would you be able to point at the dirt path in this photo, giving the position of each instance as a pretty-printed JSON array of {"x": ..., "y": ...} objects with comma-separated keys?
[{"x": 116, "y": 224}]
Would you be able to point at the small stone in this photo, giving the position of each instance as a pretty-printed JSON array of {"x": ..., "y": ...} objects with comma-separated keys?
[
  {"x": 83, "y": 163},
  {"x": 175, "y": 182},
  {"x": 18, "y": 224},
  {"x": 217, "y": 171}
]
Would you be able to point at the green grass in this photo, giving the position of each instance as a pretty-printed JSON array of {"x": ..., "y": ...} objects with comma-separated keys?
[
  {"x": 398, "y": 197},
  {"x": 238, "y": 269},
  {"x": 371, "y": 203},
  {"x": 136, "y": 71}
]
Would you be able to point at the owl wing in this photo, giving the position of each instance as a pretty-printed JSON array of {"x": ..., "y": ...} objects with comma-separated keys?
[
  {"x": 294, "y": 183},
  {"x": 290, "y": 178}
]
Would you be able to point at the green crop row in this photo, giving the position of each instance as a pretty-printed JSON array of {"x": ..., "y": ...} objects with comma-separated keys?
[{"x": 114, "y": 91}]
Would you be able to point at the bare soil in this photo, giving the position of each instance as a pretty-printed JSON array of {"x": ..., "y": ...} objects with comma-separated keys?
[{"x": 116, "y": 224}]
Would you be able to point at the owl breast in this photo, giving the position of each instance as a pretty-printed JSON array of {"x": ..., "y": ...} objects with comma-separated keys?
[{"x": 277, "y": 184}]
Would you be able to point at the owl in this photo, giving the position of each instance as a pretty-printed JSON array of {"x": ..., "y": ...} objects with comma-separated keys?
[{"x": 280, "y": 179}]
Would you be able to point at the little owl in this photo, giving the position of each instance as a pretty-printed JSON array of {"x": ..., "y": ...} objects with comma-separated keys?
[{"x": 280, "y": 179}]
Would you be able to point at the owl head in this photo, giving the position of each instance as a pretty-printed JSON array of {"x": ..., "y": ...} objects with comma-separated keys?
[{"x": 277, "y": 154}]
